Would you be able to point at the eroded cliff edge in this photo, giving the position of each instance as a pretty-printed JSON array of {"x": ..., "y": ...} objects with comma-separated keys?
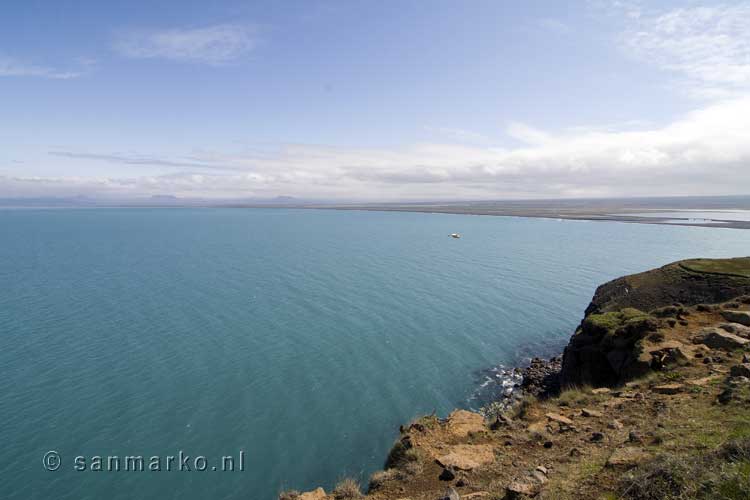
[{"x": 655, "y": 404}]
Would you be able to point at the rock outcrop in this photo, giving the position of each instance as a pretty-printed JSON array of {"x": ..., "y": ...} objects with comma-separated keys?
[
  {"x": 618, "y": 340},
  {"x": 609, "y": 348}
]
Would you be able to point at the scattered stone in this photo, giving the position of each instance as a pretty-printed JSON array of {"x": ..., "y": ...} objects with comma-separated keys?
[
  {"x": 541, "y": 478},
  {"x": 575, "y": 452},
  {"x": 615, "y": 424},
  {"x": 742, "y": 370},
  {"x": 731, "y": 305},
  {"x": 660, "y": 406},
  {"x": 542, "y": 469},
  {"x": 590, "y": 413},
  {"x": 548, "y": 444},
  {"x": 746, "y": 358},
  {"x": 563, "y": 421},
  {"x": 635, "y": 437},
  {"x": 668, "y": 389},
  {"x": 716, "y": 338},
  {"x": 542, "y": 377},
  {"x": 704, "y": 308},
  {"x": 450, "y": 494},
  {"x": 726, "y": 396},
  {"x": 708, "y": 360},
  {"x": 600, "y": 390},
  {"x": 741, "y": 317},
  {"x": 684, "y": 322},
  {"x": 467, "y": 457},
  {"x": 596, "y": 437},
  {"x": 448, "y": 474},
  {"x": 317, "y": 494},
  {"x": 500, "y": 422},
  {"x": 519, "y": 489},
  {"x": 626, "y": 458}
]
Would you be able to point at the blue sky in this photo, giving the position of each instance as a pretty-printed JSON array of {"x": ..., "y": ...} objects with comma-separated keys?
[{"x": 374, "y": 100}]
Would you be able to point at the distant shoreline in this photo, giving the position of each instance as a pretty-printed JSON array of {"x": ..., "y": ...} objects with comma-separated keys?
[
  {"x": 671, "y": 211},
  {"x": 573, "y": 215}
]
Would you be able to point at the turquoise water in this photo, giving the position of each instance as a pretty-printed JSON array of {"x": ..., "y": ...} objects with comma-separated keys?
[{"x": 302, "y": 337}]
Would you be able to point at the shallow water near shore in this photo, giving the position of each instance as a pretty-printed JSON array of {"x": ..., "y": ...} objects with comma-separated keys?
[{"x": 303, "y": 337}]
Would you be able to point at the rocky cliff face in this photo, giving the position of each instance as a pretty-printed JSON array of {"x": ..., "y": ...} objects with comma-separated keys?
[{"x": 618, "y": 339}]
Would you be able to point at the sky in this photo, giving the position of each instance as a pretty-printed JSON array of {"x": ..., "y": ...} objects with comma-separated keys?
[{"x": 374, "y": 101}]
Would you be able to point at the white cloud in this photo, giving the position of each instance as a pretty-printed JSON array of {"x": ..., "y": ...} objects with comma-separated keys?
[
  {"x": 555, "y": 26},
  {"x": 708, "y": 48},
  {"x": 211, "y": 44},
  {"x": 706, "y": 151},
  {"x": 13, "y": 67}
]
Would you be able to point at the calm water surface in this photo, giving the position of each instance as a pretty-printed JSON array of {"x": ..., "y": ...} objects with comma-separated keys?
[{"x": 302, "y": 337}]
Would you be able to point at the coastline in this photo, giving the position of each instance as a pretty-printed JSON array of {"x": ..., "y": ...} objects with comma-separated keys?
[
  {"x": 660, "y": 359},
  {"x": 579, "y": 215}
]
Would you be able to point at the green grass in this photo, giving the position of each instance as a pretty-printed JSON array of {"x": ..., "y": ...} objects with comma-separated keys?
[
  {"x": 723, "y": 474},
  {"x": 739, "y": 266}
]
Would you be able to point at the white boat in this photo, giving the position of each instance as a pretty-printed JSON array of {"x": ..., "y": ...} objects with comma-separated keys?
[{"x": 455, "y": 235}]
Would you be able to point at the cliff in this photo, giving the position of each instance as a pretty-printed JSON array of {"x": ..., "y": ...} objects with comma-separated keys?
[
  {"x": 619, "y": 337},
  {"x": 655, "y": 404},
  {"x": 687, "y": 282}
]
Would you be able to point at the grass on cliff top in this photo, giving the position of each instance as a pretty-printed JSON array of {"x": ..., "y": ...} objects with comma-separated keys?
[
  {"x": 739, "y": 266},
  {"x": 607, "y": 323}
]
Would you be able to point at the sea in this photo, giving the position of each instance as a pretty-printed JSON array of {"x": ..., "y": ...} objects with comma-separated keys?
[{"x": 289, "y": 344}]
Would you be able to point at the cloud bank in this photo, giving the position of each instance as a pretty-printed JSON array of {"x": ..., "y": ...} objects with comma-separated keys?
[{"x": 704, "y": 152}]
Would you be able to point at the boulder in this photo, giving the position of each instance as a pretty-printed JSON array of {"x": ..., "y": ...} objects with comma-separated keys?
[
  {"x": 741, "y": 317},
  {"x": 590, "y": 413},
  {"x": 467, "y": 457},
  {"x": 448, "y": 474},
  {"x": 737, "y": 329},
  {"x": 563, "y": 421},
  {"x": 522, "y": 488},
  {"x": 317, "y": 494},
  {"x": 668, "y": 389},
  {"x": 717, "y": 338}
]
